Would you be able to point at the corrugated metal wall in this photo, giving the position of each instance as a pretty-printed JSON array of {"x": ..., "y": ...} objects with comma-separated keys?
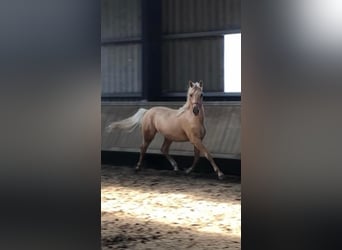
[
  {"x": 193, "y": 59},
  {"x": 121, "y": 69},
  {"x": 121, "y": 63},
  {"x": 120, "y": 19},
  {"x": 196, "y": 58},
  {"x": 184, "y": 16}
]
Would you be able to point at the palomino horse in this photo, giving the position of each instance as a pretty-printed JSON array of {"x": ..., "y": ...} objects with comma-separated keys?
[{"x": 184, "y": 124}]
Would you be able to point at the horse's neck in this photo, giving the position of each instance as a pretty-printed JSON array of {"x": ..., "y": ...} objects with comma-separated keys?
[
  {"x": 199, "y": 117},
  {"x": 186, "y": 105}
]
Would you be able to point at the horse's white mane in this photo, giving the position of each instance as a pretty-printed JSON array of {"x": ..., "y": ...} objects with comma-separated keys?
[{"x": 182, "y": 109}]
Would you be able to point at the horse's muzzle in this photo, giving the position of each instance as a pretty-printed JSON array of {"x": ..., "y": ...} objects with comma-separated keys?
[{"x": 196, "y": 109}]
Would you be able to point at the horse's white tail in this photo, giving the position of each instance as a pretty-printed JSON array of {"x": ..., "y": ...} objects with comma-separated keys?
[{"x": 130, "y": 123}]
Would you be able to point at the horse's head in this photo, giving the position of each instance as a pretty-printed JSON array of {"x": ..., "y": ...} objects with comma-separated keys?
[{"x": 195, "y": 96}]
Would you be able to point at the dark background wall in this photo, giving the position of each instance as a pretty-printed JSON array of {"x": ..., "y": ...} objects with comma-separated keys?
[{"x": 150, "y": 49}]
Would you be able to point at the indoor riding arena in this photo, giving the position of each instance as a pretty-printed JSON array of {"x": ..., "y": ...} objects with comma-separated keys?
[{"x": 157, "y": 53}]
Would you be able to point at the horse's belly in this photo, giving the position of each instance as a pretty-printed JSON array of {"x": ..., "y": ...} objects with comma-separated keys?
[
  {"x": 168, "y": 124},
  {"x": 177, "y": 138},
  {"x": 174, "y": 134}
]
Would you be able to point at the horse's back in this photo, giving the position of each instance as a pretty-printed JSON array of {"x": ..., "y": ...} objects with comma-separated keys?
[{"x": 162, "y": 112}]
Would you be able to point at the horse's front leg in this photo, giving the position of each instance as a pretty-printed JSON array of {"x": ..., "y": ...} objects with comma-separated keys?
[
  {"x": 196, "y": 157},
  {"x": 199, "y": 145}
]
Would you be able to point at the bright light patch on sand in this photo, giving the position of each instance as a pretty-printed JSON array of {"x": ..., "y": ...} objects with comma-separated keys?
[{"x": 195, "y": 213}]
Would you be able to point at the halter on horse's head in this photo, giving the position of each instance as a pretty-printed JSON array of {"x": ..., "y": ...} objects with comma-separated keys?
[{"x": 195, "y": 96}]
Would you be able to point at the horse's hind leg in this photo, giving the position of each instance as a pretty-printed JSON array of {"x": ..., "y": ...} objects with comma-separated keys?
[
  {"x": 196, "y": 157},
  {"x": 148, "y": 137},
  {"x": 165, "y": 150},
  {"x": 143, "y": 149}
]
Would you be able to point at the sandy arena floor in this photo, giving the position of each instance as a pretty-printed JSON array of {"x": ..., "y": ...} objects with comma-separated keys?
[{"x": 157, "y": 209}]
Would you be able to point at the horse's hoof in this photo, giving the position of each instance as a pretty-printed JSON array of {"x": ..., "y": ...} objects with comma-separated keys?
[
  {"x": 108, "y": 129},
  {"x": 188, "y": 171},
  {"x": 221, "y": 177},
  {"x": 137, "y": 170}
]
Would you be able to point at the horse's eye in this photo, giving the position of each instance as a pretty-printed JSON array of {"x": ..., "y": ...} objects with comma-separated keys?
[
  {"x": 201, "y": 95},
  {"x": 190, "y": 95}
]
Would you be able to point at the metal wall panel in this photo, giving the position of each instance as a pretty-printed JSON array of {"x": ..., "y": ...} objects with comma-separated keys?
[
  {"x": 196, "y": 58},
  {"x": 193, "y": 59},
  {"x": 121, "y": 69},
  {"x": 182, "y": 59},
  {"x": 184, "y": 16},
  {"x": 120, "y": 19},
  {"x": 223, "y": 123},
  {"x": 121, "y": 64}
]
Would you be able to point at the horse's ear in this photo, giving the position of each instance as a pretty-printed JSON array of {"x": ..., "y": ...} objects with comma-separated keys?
[
  {"x": 201, "y": 83},
  {"x": 191, "y": 84}
]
